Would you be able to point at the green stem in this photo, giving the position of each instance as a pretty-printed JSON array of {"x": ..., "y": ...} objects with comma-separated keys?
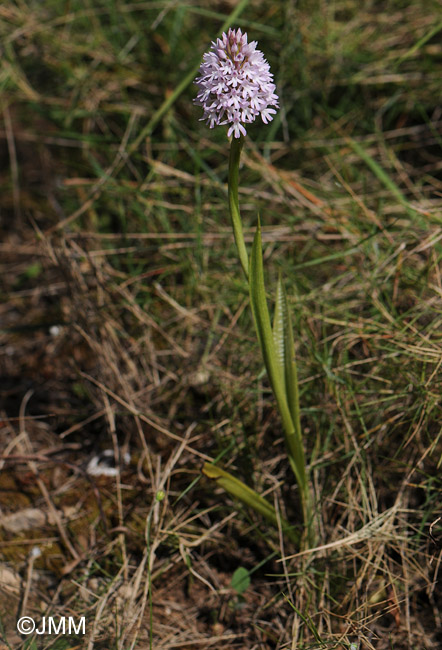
[
  {"x": 235, "y": 154},
  {"x": 283, "y": 379}
]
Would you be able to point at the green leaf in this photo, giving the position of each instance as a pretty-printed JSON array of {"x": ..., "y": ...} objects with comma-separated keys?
[
  {"x": 308, "y": 621},
  {"x": 280, "y": 381},
  {"x": 279, "y": 327},
  {"x": 265, "y": 335},
  {"x": 290, "y": 370},
  {"x": 240, "y": 580},
  {"x": 285, "y": 353},
  {"x": 249, "y": 497},
  {"x": 33, "y": 270},
  {"x": 383, "y": 177}
]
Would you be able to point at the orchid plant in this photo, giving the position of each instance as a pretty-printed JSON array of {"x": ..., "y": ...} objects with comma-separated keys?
[{"x": 235, "y": 87}]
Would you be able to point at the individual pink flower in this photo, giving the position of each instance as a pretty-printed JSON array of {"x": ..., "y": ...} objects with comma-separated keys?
[{"x": 235, "y": 84}]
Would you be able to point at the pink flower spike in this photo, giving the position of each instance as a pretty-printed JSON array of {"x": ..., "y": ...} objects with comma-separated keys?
[{"x": 235, "y": 84}]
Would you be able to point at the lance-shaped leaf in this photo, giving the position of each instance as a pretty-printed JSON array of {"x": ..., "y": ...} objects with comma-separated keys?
[
  {"x": 249, "y": 497},
  {"x": 279, "y": 369},
  {"x": 279, "y": 327},
  {"x": 285, "y": 351},
  {"x": 264, "y": 330},
  {"x": 290, "y": 374}
]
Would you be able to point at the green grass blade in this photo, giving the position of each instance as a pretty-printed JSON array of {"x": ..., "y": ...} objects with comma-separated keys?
[
  {"x": 417, "y": 46},
  {"x": 308, "y": 622},
  {"x": 382, "y": 176}
]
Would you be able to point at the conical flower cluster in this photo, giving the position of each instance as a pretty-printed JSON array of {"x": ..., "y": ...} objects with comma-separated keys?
[{"x": 235, "y": 84}]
